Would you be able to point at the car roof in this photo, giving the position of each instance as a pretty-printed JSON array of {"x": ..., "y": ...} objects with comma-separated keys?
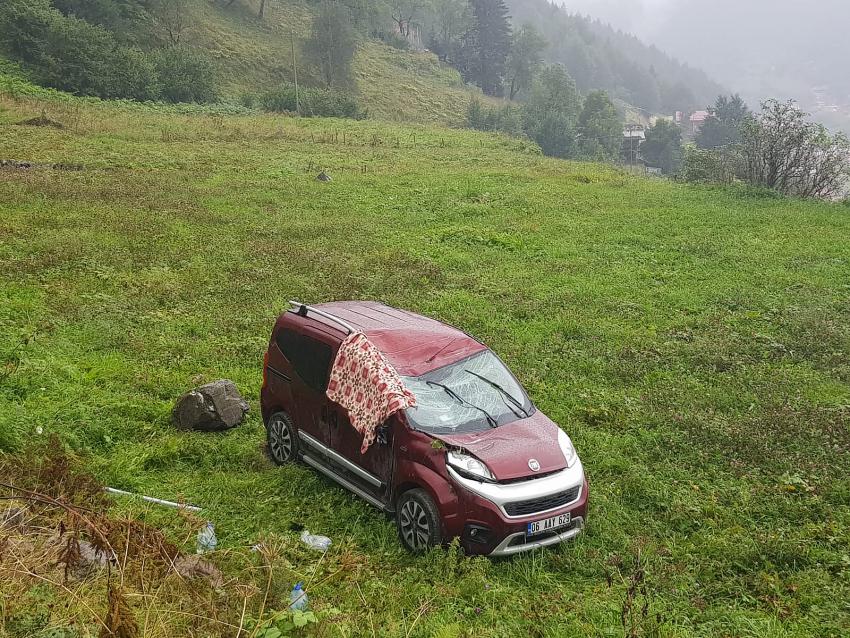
[{"x": 412, "y": 343}]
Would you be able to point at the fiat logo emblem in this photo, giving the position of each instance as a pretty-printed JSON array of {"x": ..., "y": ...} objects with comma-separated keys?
[{"x": 533, "y": 465}]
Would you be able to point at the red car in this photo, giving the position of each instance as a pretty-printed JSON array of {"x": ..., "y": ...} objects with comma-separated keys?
[{"x": 473, "y": 459}]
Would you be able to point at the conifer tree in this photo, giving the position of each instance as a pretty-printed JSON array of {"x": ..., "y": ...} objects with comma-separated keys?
[{"x": 492, "y": 42}]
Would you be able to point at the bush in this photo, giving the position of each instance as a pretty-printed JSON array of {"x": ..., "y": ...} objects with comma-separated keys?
[
  {"x": 710, "y": 166},
  {"x": 313, "y": 102},
  {"x": 394, "y": 40},
  {"x": 248, "y": 100},
  {"x": 134, "y": 75},
  {"x": 24, "y": 30},
  {"x": 506, "y": 119},
  {"x": 785, "y": 152},
  {"x": 71, "y": 55},
  {"x": 185, "y": 74}
]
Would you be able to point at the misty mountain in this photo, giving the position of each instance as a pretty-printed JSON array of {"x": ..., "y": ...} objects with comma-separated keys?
[
  {"x": 760, "y": 48},
  {"x": 598, "y": 56}
]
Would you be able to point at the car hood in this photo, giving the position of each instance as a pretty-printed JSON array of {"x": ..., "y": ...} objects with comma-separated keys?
[{"x": 507, "y": 450}]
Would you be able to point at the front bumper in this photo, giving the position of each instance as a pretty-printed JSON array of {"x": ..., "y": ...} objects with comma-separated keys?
[
  {"x": 484, "y": 508},
  {"x": 517, "y": 542}
]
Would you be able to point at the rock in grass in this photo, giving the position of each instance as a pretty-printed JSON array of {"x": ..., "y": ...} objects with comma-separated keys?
[
  {"x": 323, "y": 177},
  {"x": 212, "y": 407}
]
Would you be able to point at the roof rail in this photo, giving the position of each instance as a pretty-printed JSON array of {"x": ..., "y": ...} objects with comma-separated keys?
[{"x": 302, "y": 309}]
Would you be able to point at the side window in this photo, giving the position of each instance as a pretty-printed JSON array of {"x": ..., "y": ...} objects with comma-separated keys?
[{"x": 310, "y": 358}]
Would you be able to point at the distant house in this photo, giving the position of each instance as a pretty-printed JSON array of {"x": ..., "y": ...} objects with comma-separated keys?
[{"x": 697, "y": 119}]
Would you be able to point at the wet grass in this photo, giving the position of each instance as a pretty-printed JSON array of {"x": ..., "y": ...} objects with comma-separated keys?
[{"x": 694, "y": 342}]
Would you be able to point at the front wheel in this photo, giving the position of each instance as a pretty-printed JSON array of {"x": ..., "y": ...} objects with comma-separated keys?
[
  {"x": 282, "y": 440},
  {"x": 418, "y": 521}
]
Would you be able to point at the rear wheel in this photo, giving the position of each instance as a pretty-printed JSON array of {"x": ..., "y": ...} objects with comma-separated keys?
[
  {"x": 418, "y": 521},
  {"x": 282, "y": 440}
]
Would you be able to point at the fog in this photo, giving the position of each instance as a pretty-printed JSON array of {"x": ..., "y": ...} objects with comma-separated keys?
[{"x": 760, "y": 48}]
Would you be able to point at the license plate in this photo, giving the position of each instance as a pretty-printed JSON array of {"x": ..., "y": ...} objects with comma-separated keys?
[{"x": 548, "y": 524}]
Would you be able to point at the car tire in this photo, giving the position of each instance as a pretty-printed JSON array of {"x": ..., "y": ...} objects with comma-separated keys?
[
  {"x": 282, "y": 439},
  {"x": 418, "y": 521}
]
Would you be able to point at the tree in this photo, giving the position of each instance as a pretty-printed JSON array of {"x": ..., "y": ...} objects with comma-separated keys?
[
  {"x": 25, "y": 28},
  {"x": 186, "y": 74},
  {"x": 600, "y": 128},
  {"x": 492, "y": 42},
  {"x": 135, "y": 76},
  {"x": 723, "y": 127},
  {"x": 127, "y": 20},
  {"x": 551, "y": 112},
  {"x": 525, "y": 58},
  {"x": 72, "y": 55},
  {"x": 172, "y": 17},
  {"x": 332, "y": 44},
  {"x": 451, "y": 19},
  {"x": 403, "y": 13},
  {"x": 663, "y": 147},
  {"x": 782, "y": 151},
  {"x": 106, "y": 13}
]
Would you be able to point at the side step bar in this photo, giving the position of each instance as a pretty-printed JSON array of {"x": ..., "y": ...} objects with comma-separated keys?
[
  {"x": 344, "y": 482},
  {"x": 340, "y": 460}
]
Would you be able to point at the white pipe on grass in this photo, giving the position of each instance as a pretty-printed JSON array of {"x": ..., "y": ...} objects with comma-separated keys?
[{"x": 151, "y": 499}]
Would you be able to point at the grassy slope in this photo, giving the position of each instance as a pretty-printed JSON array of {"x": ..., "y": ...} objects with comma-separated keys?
[
  {"x": 394, "y": 85},
  {"x": 253, "y": 56},
  {"x": 694, "y": 342}
]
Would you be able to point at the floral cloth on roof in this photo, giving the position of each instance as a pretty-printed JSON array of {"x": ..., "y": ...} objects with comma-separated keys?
[{"x": 366, "y": 385}]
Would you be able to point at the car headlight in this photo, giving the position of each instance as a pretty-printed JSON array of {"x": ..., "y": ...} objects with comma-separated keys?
[
  {"x": 468, "y": 465},
  {"x": 567, "y": 447}
]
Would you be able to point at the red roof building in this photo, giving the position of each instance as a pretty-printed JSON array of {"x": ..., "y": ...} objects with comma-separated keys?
[{"x": 697, "y": 119}]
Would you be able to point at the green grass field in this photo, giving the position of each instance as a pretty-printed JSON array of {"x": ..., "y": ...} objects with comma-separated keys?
[{"x": 694, "y": 342}]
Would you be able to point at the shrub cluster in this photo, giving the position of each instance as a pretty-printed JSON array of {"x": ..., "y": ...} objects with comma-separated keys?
[
  {"x": 776, "y": 149},
  {"x": 393, "y": 39},
  {"x": 506, "y": 119},
  {"x": 311, "y": 102},
  {"x": 70, "y": 54}
]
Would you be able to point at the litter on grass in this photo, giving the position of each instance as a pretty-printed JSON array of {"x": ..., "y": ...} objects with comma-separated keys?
[{"x": 315, "y": 541}]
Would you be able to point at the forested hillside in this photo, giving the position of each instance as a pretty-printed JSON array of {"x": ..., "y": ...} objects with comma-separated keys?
[
  {"x": 200, "y": 51},
  {"x": 414, "y": 60}
]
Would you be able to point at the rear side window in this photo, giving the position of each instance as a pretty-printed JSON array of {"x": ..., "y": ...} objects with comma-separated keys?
[{"x": 310, "y": 358}]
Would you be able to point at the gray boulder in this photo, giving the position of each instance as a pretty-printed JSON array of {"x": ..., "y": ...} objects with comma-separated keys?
[{"x": 212, "y": 407}]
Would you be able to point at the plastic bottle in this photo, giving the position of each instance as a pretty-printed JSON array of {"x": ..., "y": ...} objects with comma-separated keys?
[
  {"x": 298, "y": 598},
  {"x": 315, "y": 541},
  {"x": 207, "y": 541}
]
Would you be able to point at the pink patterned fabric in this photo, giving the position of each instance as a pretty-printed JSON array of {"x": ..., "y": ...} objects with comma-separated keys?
[{"x": 367, "y": 386}]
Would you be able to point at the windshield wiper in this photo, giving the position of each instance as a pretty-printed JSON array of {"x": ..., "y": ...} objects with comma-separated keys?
[
  {"x": 504, "y": 392},
  {"x": 490, "y": 420}
]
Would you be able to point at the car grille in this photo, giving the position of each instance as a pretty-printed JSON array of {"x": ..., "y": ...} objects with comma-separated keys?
[{"x": 523, "y": 508}]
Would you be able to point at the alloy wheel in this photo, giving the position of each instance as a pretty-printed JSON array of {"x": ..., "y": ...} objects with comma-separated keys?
[
  {"x": 414, "y": 525},
  {"x": 280, "y": 440}
]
